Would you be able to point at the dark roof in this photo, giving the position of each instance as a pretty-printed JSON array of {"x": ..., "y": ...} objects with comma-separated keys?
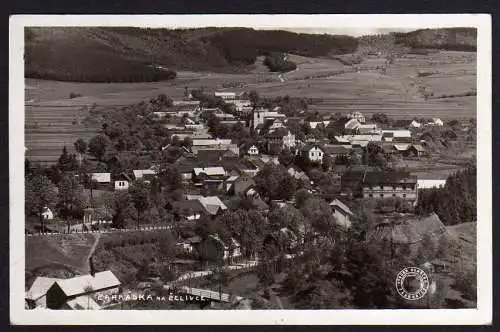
[
  {"x": 278, "y": 133},
  {"x": 242, "y": 184},
  {"x": 335, "y": 149},
  {"x": 389, "y": 177},
  {"x": 401, "y": 123},
  {"x": 187, "y": 207}
]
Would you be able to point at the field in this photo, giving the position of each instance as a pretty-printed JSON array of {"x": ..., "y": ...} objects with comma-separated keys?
[{"x": 54, "y": 120}]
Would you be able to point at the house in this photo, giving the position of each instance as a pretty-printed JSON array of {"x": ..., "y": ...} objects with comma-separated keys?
[
  {"x": 389, "y": 184},
  {"x": 211, "y": 204},
  {"x": 242, "y": 106},
  {"x": 100, "y": 180},
  {"x": 82, "y": 291},
  {"x": 242, "y": 185},
  {"x": 259, "y": 205},
  {"x": 261, "y": 115},
  {"x": 366, "y": 128},
  {"x": 313, "y": 154},
  {"x": 431, "y": 183},
  {"x": 36, "y": 295},
  {"x": 416, "y": 150},
  {"x": 225, "y": 95},
  {"x": 358, "y": 116},
  {"x": 415, "y": 124},
  {"x": 341, "y": 212},
  {"x": 437, "y": 121},
  {"x": 187, "y": 210},
  {"x": 253, "y": 151},
  {"x": 314, "y": 124},
  {"x": 47, "y": 213},
  {"x": 145, "y": 175},
  {"x": 400, "y": 135},
  {"x": 337, "y": 150},
  {"x": 281, "y": 137},
  {"x": 298, "y": 174},
  {"x": 352, "y": 125},
  {"x": 401, "y": 148},
  {"x": 122, "y": 181},
  {"x": 207, "y": 175},
  {"x": 213, "y": 248}
]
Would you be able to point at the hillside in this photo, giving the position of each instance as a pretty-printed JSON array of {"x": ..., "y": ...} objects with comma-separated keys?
[
  {"x": 109, "y": 54},
  {"x": 452, "y": 39}
]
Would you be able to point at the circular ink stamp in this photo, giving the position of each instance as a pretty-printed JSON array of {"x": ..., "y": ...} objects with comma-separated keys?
[{"x": 412, "y": 283}]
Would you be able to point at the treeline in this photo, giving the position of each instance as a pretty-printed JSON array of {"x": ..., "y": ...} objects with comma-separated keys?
[
  {"x": 89, "y": 64},
  {"x": 244, "y": 45},
  {"x": 109, "y": 54},
  {"x": 456, "y": 39},
  {"x": 276, "y": 63},
  {"x": 456, "y": 202}
]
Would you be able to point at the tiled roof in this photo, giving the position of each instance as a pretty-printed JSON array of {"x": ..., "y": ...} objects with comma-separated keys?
[
  {"x": 341, "y": 205},
  {"x": 210, "y": 171},
  {"x": 389, "y": 177}
]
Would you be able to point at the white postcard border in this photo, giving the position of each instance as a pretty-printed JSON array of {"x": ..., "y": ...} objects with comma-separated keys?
[{"x": 481, "y": 315}]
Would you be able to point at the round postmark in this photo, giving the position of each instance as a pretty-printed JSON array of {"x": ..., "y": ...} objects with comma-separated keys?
[{"x": 412, "y": 283}]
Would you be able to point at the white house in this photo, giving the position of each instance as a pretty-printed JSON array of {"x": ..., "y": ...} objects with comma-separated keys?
[
  {"x": 47, "y": 213},
  {"x": 101, "y": 177},
  {"x": 253, "y": 151},
  {"x": 437, "y": 121},
  {"x": 415, "y": 124},
  {"x": 122, "y": 182},
  {"x": 431, "y": 183},
  {"x": 313, "y": 154},
  {"x": 352, "y": 124}
]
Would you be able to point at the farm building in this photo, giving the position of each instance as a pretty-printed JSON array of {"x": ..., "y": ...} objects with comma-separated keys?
[
  {"x": 81, "y": 292},
  {"x": 337, "y": 150},
  {"x": 187, "y": 209},
  {"x": 212, "y": 204},
  {"x": 389, "y": 184},
  {"x": 101, "y": 178}
]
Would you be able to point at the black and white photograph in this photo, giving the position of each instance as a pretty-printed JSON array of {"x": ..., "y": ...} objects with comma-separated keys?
[{"x": 276, "y": 163}]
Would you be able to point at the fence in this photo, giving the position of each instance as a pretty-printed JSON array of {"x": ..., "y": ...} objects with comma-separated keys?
[{"x": 112, "y": 230}]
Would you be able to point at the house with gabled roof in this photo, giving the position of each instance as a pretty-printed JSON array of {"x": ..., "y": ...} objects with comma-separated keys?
[
  {"x": 68, "y": 293},
  {"x": 341, "y": 212},
  {"x": 36, "y": 295}
]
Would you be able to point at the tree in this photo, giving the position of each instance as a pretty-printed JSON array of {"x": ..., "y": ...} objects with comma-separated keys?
[
  {"x": 253, "y": 96},
  {"x": 286, "y": 157},
  {"x": 125, "y": 211},
  {"x": 71, "y": 198},
  {"x": 301, "y": 196},
  {"x": 327, "y": 162},
  {"x": 98, "y": 146},
  {"x": 287, "y": 187},
  {"x": 139, "y": 194},
  {"x": 318, "y": 212},
  {"x": 66, "y": 162},
  {"x": 40, "y": 193},
  {"x": 81, "y": 146}
]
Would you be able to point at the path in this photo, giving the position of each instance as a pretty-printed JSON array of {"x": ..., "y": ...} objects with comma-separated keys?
[{"x": 92, "y": 250}]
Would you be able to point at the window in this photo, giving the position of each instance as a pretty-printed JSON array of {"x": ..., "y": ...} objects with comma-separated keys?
[
  {"x": 404, "y": 195},
  {"x": 370, "y": 195},
  {"x": 381, "y": 187},
  {"x": 381, "y": 195},
  {"x": 404, "y": 187},
  {"x": 393, "y": 195}
]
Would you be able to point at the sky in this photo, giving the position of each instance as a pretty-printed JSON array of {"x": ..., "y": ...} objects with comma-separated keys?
[{"x": 356, "y": 32}]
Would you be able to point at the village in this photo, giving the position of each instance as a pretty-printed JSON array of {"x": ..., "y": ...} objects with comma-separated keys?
[{"x": 239, "y": 181}]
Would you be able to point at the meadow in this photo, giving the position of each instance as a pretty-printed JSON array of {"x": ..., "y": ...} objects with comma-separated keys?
[{"x": 440, "y": 85}]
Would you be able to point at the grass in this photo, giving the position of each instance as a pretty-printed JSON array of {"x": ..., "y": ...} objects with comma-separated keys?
[{"x": 57, "y": 255}]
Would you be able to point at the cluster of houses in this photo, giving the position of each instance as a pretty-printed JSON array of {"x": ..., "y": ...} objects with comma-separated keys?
[{"x": 214, "y": 170}]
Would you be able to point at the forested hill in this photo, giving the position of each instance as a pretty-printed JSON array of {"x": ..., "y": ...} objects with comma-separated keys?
[
  {"x": 106, "y": 54},
  {"x": 459, "y": 39}
]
